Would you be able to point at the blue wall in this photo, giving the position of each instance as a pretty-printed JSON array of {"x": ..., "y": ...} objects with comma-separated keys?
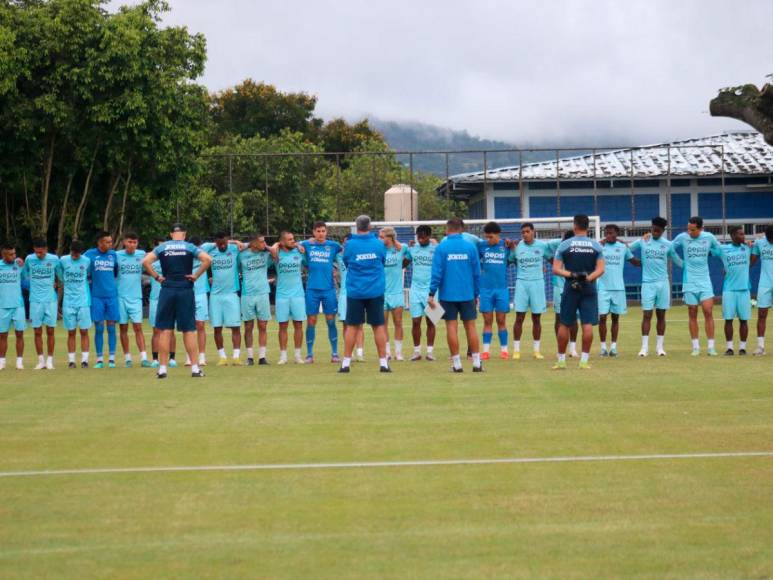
[
  {"x": 748, "y": 204},
  {"x": 507, "y": 207}
]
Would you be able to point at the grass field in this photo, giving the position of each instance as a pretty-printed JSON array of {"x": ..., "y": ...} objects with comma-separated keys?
[{"x": 699, "y": 517}]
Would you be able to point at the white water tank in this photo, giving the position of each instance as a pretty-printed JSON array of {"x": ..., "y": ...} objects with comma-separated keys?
[{"x": 401, "y": 203}]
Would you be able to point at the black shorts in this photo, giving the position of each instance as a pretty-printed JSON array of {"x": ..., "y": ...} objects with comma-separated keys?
[
  {"x": 585, "y": 300},
  {"x": 176, "y": 305},
  {"x": 453, "y": 310},
  {"x": 358, "y": 310}
]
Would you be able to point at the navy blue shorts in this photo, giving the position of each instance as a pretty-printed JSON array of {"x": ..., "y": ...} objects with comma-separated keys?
[
  {"x": 176, "y": 305},
  {"x": 358, "y": 310},
  {"x": 585, "y": 300},
  {"x": 453, "y": 310}
]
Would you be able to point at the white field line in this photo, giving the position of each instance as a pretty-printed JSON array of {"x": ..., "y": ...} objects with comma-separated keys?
[{"x": 380, "y": 464}]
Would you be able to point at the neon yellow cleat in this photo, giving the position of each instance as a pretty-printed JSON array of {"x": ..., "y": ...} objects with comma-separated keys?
[
  {"x": 538, "y": 355},
  {"x": 560, "y": 365},
  {"x": 517, "y": 355},
  {"x": 236, "y": 362},
  {"x": 585, "y": 366},
  {"x": 222, "y": 362}
]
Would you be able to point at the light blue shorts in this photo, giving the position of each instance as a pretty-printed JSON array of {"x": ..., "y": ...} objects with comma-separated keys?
[
  {"x": 530, "y": 295},
  {"x": 612, "y": 302},
  {"x": 76, "y": 317},
  {"x": 764, "y": 296},
  {"x": 256, "y": 307},
  {"x": 15, "y": 316},
  {"x": 129, "y": 309},
  {"x": 393, "y": 301},
  {"x": 737, "y": 304},
  {"x": 291, "y": 308},
  {"x": 656, "y": 295},
  {"x": 418, "y": 300},
  {"x": 43, "y": 313},
  {"x": 224, "y": 310},
  {"x": 202, "y": 307},
  {"x": 342, "y": 305},
  {"x": 494, "y": 300},
  {"x": 695, "y": 296}
]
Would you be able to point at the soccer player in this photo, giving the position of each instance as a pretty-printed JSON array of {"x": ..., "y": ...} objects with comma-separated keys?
[
  {"x": 494, "y": 294},
  {"x": 225, "y": 310},
  {"x": 456, "y": 281},
  {"x": 73, "y": 273},
  {"x": 360, "y": 338},
  {"x": 736, "y": 293},
  {"x": 290, "y": 297},
  {"x": 201, "y": 297},
  {"x": 529, "y": 255},
  {"x": 394, "y": 294},
  {"x": 254, "y": 262},
  {"x": 580, "y": 260},
  {"x": 763, "y": 250},
  {"x": 558, "y": 290},
  {"x": 611, "y": 287},
  {"x": 655, "y": 251},
  {"x": 320, "y": 289},
  {"x": 11, "y": 304},
  {"x": 176, "y": 302},
  {"x": 130, "y": 297},
  {"x": 40, "y": 269},
  {"x": 364, "y": 257},
  {"x": 696, "y": 246},
  {"x": 104, "y": 296},
  {"x": 420, "y": 257}
]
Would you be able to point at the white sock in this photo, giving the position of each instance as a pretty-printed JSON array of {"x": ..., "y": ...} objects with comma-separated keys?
[
  {"x": 399, "y": 347},
  {"x": 430, "y": 349},
  {"x": 383, "y": 362},
  {"x": 584, "y": 357},
  {"x": 221, "y": 352},
  {"x": 194, "y": 368},
  {"x": 645, "y": 342},
  {"x": 603, "y": 347},
  {"x": 71, "y": 357},
  {"x": 388, "y": 350},
  {"x": 262, "y": 352},
  {"x": 730, "y": 345},
  {"x": 347, "y": 360},
  {"x": 536, "y": 345},
  {"x": 761, "y": 341},
  {"x": 476, "y": 359},
  {"x": 19, "y": 361},
  {"x": 417, "y": 349},
  {"x": 161, "y": 369},
  {"x": 457, "y": 360},
  {"x": 250, "y": 352},
  {"x": 188, "y": 361},
  {"x": 237, "y": 353},
  {"x": 486, "y": 346},
  {"x": 696, "y": 345},
  {"x": 127, "y": 356},
  {"x": 202, "y": 358},
  {"x": 359, "y": 352},
  {"x": 660, "y": 340},
  {"x": 561, "y": 357},
  {"x": 143, "y": 356},
  {"x": 573, "y": 347},
  {"x": 85, "y": 356},
  {"x": 41, "y": 359},
  {"x": 742, "y": 345},
  {"x": 711, "y": 343},
  {"x": 613, "y": 346},
  {"x": 99, "y": 359},
  {"x": 297, "y": 353},
  {"x": 516, "y": 346},
  {"x": 282, "y": 355},
  {"x": 2, "y": 360}
]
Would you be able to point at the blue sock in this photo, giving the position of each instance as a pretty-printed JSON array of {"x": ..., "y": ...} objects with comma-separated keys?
[
  {"x": 99, "y": 338},
  {"x": 332, "y": 335},
  {"x": 487, "y": 338},
  {"x": 311, "y": 335},
  {"x": 502, "y": 338},
  {"x": 111, "y": 340}
]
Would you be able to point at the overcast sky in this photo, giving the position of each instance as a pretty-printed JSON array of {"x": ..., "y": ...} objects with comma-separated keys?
[{"x": 528, "y": 72}]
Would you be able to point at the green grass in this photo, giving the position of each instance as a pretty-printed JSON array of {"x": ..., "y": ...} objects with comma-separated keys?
[{"x": 695, "y": 518}]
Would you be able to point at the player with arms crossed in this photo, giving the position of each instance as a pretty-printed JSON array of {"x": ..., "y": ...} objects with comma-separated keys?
[
  {"x": 73, "y": 272},
  {"x": 763, "y": 250},
  {"x": 254, "y": 262},
  {"x": 696, "y": 246},
  {"x": 420, "y": 257},
  {"x": 104, "y": 296},
  {"x": 130, "y": 297},
  {"x": 558, "y": 289},
  {"x": 290, "y": 296},
  {"x": 655, "y": 251},
  {"x": 40, "y": 269},
  {"x": 494, "y": 293},
  {"x": 11, "y": 304},
  {"x": 581, "y": 261},
  {"x": 736, "y": 289},
  {"x": 456, "y": 281},
  {"x": 394, "y": 294},
  {"x": 176, "y": 302}
]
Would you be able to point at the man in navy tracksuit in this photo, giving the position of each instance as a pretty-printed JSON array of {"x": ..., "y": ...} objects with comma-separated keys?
[
  {"x": 456, "y": 280},
  {"x": 364, "y": 256}
]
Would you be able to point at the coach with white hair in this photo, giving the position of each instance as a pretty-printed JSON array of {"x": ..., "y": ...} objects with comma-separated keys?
[{"x": 364, "y": 256}]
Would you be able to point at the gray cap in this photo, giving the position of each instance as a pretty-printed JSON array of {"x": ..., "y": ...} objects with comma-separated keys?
[{"x": 363, "y": 223}]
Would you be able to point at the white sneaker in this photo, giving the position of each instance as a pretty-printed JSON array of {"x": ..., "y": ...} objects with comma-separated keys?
[
  {"x": 40, "y": 366},
  {"x": 574, "y": 354},
  {"x": 282, "y": 361},
  {"x": 299, "y": 360},
  {"x": 399, "y": 357},
  {"x": 759, "y": 351},
  {"x": 643, "y": 352},
  {"x": 661, "y": 352},
  {"x": 2, "y": 366},
  {"x": 19, "y": 366}
]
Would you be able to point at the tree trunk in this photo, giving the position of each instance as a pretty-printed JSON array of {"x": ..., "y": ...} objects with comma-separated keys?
[
  {"x": 27, "y": 199},
  {"x": 86, "y": 189},
  {"x": 63, "y": 216},
  {"x": 116, "y": 178},
  {"x": 46, "y": 186},
  {"x": 126, "y": 183},
  {"x": 747, "y": 104},
  {"x": 7, "y": 217}
]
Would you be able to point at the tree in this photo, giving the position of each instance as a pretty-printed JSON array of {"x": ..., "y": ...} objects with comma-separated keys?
[{"x": 749, "y": 104}]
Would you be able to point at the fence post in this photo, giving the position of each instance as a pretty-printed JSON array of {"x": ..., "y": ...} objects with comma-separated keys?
[
  {"x": 266, "y": 190},
  {"x": 724, "y": 194}
]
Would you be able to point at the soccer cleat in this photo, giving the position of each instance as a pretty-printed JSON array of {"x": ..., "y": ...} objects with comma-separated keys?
[
  {"x": 2, "y": 365},
  {"x": 172, "y": 364},
  {"x": 661, "y": 352},
  {"x": 695, "y": 352},
  {"x": 84, "y": 365},
  {"x": 40, "y": 366},
  {"x": 504, "y": 355},
  {"x": 309, "y": 360},
  {"x": 584, "y": 366},
  {"x": 160, "y": 375},
  {"x": 187, "y": 362},
  {"x": 344, "y": 370},
  {"x": 250, "y": 362},
  {"x": 457, "y": 370},
  {"x": 299, "y": 360},
  {"x": 199, "y": 374},
  {"x": 574, "y": 354},
  {"x": 99, "y": 365},
  {"x": 128, "y": 364},
  {"x": 282, "y": 361},
  {"x": 49, "y": 366},
  {"x": 742, "y": 352},
  {"x": 415, "y": 357},
  {"x": 517, "y": 355},
  {"x": 71, "y": 365},
  {"x": 262, "y": 362},
  {"x": 399, "y": 358},
  {"x": 236, "y": 362},
  {"x": 222, "y": 362},
  {"x": 335, "y": 359},
  {"x": 477, "y": 369},
  {"x": 19, "y": 366},
  {"x": 759, "y": 351},
  {"x": 729, "y": 352},
  {"x": 603, "y": 353},
  {"x": 155, "y": 364},
  {"x": 485, "y": 356},
  {"x": 385, "y": 370},
  {"x": 202, "y": 362},
  {"x": 360, "y": 358},
  {"x": 429, "y": 356},
  {"x": 643, "y": 353},
  {"x": 538, "y": 355},
  {"x": 111, "y": 364},
  {"x": 712, "y": 352},
  {"x": 613, "y": 352},
  {"x": 560, "y": 365}
]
